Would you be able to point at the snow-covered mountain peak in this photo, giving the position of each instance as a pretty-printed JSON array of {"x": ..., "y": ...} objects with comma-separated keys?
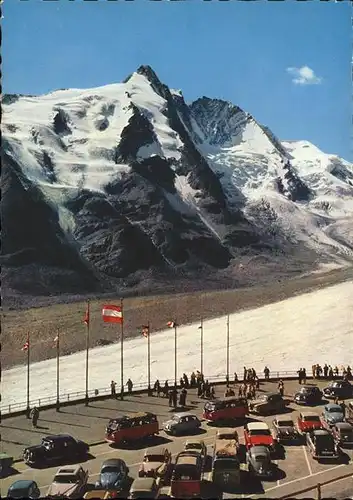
[{"x": 130, "y": 177}]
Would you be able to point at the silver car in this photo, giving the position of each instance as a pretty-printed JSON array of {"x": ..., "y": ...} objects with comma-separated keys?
[
  {"x": 259, "y": 461},
  {"x": 182, "y": 423}
]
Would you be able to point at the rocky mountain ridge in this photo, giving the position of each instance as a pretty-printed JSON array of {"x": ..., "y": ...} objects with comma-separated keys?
[{"x": 108, "y": 187}]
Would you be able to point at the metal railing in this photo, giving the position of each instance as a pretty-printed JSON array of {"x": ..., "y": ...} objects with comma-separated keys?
[
  {"x": 105, "y": 391},
  {"x": 317, "y": 487}
]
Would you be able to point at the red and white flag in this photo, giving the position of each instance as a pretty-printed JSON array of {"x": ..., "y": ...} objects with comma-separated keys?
[
  {"x": 25, "y": 346},
  {"x": 172, "y": 324},
  {"x": 87, "y": 318},
  {"x": 112, "y": 314},
  {"x": 145, "y": 330}
]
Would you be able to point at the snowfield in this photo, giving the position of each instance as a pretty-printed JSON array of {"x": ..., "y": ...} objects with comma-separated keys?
[{"x": 316, "y": 327}]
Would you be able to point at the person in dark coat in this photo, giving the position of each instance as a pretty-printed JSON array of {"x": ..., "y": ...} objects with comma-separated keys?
[
  {"x": 170, "y": 394},
  {"x": 157, "y": 387},
  {"x": 113, "y": 388},
  {"x": 186, "y": 380},
  {"x": 129, "y": 385},
  {"x": 34, "y": 414},
  {"x": 182, "y": 397},
  {"x": 175, "y": 397},
  {"x": 166, "y": 389}
]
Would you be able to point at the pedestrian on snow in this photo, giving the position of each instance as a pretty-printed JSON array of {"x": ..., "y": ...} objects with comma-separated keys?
[{"x": 129, "y": 385}]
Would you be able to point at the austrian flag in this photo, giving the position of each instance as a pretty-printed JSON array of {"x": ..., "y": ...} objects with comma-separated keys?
[
  {"x": 172, "y": 324},
  {"x": 112, "y": 314}
]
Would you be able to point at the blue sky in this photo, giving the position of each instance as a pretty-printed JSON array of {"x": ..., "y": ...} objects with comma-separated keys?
[{"x": 238, "y": 51}]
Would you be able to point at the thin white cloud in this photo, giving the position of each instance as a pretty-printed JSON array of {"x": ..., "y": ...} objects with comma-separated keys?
[{"x": 304, "y": 76}]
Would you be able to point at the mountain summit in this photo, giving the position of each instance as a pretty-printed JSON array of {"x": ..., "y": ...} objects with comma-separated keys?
[{"x": 125, "y": 183}]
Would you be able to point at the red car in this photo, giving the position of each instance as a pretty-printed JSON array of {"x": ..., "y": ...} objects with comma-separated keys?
[
  {"x": 258, "y": 433},
  {"x": 309, "y": 421}
]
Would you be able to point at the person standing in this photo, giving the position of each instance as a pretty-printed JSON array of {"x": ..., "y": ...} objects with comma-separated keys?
[{"x": 34, "y": 414}]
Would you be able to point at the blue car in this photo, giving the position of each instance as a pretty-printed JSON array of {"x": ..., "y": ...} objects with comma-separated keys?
[
  {"x": 23, "y": 489},
  {"x": 333, "y": 414},
  {"x": 114, "y": 475}
]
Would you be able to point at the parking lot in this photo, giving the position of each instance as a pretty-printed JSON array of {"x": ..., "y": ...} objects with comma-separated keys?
[{"x": 295, "y": 470}]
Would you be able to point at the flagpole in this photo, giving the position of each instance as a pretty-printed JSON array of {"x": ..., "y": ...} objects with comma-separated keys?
[
  {"x": 87, "y": 346},
  {"x": 28, "y": 361},
  {"x": 149, "y": 358},
  {"x": 227, "y": 377},
  {"x": 201, "y": 343},
  {"x": 175, "y": 355},
  {"x": 122, "y": 350},
  {"x": 57, "y": 372}
]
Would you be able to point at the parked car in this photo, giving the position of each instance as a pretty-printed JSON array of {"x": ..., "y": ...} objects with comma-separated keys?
[
  {"x": 332, "y": 414},
  {"x": 24, "y": 488},
  {"x": 268, "y": 403},
  {"x": 199, "y": 446},
  {"x": 322, "y": 445},
  {"x": 56, "y": 448},
  {"x": 157, "y": 464},
  {"x": 187, "y": 475},
  {"x": 144, "y": 487},
  {"x": 258, "y": 433},
  {"x": 343, "y": 434},
  {"x": 284, "y": 430},
  {"x": 341, "y": 389},
  {"x": 114, "y": 475},
  {"x": 182, "y": 423},
  {"x": 69, "y": 483},
  {"x": 259, "y": 461},
  {"x": 308, "y": 421},
  {"x": 308, "y": 395},
  {"x": 6, "y": 462}
]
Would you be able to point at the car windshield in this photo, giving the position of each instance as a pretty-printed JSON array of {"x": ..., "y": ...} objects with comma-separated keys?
[
  {"x": 285, "y": 423},
  {"x": 226, "y": 464},
  {"x": 154, "y": 458},
  {"x": 260, "y": 432},
  {"x": 108, "y": 469},
  {"x": 193, "y": 446},
  {"x": 65, "y": 479},
  {"x": 311, "y": 418}
]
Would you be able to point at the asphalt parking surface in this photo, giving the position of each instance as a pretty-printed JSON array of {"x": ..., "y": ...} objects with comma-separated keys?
[{"x": 295, "y": 470}]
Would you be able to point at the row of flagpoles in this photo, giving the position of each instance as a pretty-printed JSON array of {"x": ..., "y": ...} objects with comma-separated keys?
[{"x": 114, "y": 314}]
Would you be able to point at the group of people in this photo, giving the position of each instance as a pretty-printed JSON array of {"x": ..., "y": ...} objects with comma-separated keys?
[{"x": 330, "y": 372}]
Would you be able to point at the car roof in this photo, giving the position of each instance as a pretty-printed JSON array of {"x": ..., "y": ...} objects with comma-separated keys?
[
  {"x": 112, "y": 462},
  {"x": 309, "y": 414},
  {"x": 257, "y": 425},
  {"x": 68, "y": 470},
  {"x": 321, "y": 432},
  {"x": 159, "y": 451},
  {"x": 143, "y": 483},
  {"x": 53, "y": 437},
  {"x": 344, "y": 425},
  {"x": 283, "y": 418},
  {"x": 259, "y": 449},
  {"x": 21, "y": 484},
  {"x": 334, "y": 405},
  {"x": 194, "y": 441}
]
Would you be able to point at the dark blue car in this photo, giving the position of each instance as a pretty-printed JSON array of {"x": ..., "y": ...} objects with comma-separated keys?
[{"x": 23, "y": 489}]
